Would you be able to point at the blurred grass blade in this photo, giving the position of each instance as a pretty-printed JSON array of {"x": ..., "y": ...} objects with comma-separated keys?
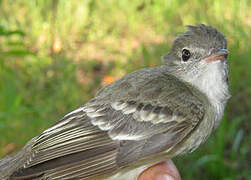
[
  {"x": 205, "y": 159},
  {"x": 237, "y": 141}
]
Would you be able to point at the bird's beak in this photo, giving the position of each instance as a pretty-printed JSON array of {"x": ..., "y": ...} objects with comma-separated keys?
[{"x": 217, "y": 54}]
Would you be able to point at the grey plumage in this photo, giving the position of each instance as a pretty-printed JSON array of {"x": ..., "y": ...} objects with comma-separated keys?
[{"x": 149, "y": 115}]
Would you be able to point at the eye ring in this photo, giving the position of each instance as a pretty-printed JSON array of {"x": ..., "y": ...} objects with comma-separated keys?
[{"x": 185, "y": 55}]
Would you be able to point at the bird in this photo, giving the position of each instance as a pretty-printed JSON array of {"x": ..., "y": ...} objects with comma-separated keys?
[{"x": 147, "y": 116}]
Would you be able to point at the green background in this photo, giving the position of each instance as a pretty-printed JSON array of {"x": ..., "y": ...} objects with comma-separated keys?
[{"x": 54, "y": 55}]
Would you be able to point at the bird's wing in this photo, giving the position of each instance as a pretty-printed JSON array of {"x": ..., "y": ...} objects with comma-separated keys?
[
  {"x": 144, "y": 113},
  {"x": 71, "y": 149},
  {"x": 149, "y": 111}
]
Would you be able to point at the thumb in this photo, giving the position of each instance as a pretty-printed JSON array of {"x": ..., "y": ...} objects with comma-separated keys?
[{"x": 162, "y": 171}]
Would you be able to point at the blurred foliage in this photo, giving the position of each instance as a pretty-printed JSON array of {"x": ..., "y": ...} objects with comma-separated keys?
[{"x": 54, "y": 55}]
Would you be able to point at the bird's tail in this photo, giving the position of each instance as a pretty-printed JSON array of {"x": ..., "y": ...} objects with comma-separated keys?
[{"x": 14, "y": 161}]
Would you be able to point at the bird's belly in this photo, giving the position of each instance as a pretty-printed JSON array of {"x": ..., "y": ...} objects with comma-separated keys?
[{"x": 131, "y": 174}]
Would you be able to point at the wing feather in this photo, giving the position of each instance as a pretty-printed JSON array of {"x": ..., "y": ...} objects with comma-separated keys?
[{"x": 85, "y": 168}]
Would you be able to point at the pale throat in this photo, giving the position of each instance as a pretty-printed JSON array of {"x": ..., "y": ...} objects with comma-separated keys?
[{"x": 212, "y": 82}]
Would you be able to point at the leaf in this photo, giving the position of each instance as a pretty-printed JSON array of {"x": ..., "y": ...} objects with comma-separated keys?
[
  {"x": 3, "y": 32},
  {"x": 17, "y": 52}
]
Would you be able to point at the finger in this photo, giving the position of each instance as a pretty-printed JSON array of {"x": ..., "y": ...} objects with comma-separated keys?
[{"x": 161, "y": 171}]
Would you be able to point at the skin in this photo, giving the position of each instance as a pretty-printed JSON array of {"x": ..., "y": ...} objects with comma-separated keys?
[{"x": 165, "y": 170}]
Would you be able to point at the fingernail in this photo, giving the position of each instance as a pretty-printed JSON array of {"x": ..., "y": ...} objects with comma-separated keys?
[{"x": 164, "y": 177}]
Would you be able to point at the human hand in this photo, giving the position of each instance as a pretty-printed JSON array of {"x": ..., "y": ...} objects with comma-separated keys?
[{"x": 161, "y": 171}]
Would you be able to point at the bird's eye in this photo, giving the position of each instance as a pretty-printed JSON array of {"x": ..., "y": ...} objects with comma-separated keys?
[{"x": 185, "y": 54}]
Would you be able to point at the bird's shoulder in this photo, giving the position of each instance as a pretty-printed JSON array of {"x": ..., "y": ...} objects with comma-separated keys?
[{"x": 156, "y": 85}]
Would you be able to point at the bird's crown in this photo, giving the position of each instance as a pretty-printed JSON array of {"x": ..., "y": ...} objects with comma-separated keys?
[{"x": 201, "y": 36}]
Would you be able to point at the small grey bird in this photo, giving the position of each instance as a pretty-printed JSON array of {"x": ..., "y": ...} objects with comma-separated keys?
[{"x": 148, "y": 116}]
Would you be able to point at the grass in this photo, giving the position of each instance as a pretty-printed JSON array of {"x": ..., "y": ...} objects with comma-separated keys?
[{"x": 54, "y": 55}]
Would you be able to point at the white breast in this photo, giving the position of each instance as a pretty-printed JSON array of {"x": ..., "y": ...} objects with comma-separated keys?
[{"x": 213, "y": 84}]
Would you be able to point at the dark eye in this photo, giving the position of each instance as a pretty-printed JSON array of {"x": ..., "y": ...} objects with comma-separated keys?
[{"x": 185, "y": 54}]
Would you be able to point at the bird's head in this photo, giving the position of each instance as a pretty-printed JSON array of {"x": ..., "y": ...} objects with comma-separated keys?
[{"x": 197, "y": 51}]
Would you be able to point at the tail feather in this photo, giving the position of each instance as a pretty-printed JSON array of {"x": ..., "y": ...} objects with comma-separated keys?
[{"x": 11, "y": 163}]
